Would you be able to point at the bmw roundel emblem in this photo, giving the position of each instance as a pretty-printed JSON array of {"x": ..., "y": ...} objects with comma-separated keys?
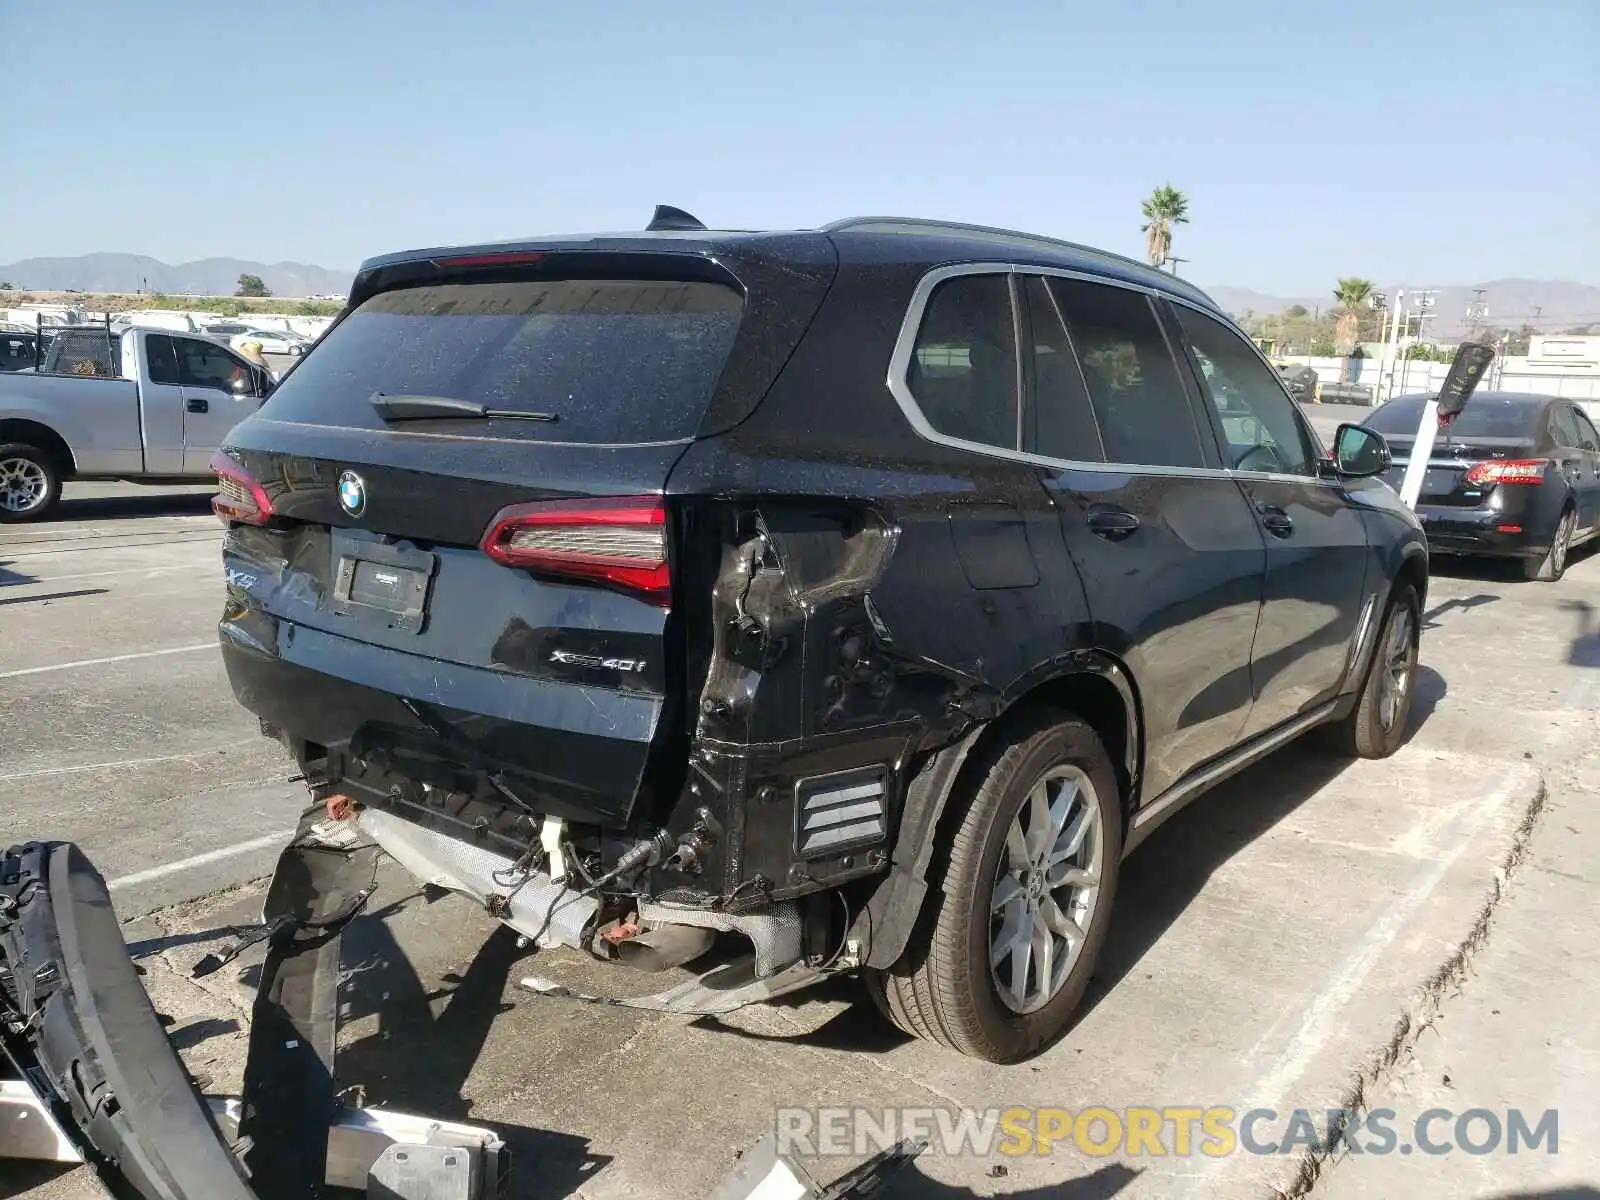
[{"x": 352, "y": 493}]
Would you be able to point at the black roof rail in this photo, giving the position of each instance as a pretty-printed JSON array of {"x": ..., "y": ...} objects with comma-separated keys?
[{"x": 930, "y": 226}]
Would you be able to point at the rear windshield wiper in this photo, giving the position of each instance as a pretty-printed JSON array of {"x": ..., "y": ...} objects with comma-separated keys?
[{"x": 444, "y": 408}]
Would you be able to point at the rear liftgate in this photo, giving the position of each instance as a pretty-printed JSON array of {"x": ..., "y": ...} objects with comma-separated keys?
[{"x": 95, "y": 1079}]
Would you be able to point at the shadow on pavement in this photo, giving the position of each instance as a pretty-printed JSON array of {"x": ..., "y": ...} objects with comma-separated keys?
[
  {"x": 11, "y": 578},
  {"x": 425, "y": 1046},
  {"x": 1430, "y": 619},
  {"x": 114, "y": 508},
  {"x": 1585, "y": 648},
  {"x": 911, "y": 1184},
  {"x": 1576, "y": 1192}
]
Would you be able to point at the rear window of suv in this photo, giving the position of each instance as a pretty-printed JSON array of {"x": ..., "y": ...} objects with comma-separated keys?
[{"x": 615, "y": 360}]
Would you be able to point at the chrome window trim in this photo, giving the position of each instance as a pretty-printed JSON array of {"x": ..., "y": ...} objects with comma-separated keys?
[{"x": 905, "y": 345}]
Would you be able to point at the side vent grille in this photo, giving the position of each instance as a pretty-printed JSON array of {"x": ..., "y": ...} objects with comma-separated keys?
[{"x": 834, "y": 813}]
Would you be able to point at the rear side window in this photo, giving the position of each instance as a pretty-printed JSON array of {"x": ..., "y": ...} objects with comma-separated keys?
[
  {"x": 615, "y": 360},
  {"x": 1587, "y": 437},
  {"x": 963, "y": 370},
  {"x": 1138, "y": 395},
  {"x": 161, "y": 360}
]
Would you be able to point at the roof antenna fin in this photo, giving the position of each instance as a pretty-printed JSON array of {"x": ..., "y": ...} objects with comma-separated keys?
[{"x": 667, "y": 217}]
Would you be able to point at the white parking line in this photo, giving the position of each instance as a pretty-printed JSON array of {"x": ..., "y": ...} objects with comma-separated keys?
[
  {"x": 281, "y": 837},
  {"x": 115, "y": 658},
  {"x": 192, "y": 758}
]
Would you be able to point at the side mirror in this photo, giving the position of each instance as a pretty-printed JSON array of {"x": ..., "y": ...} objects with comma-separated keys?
[
  {"x": 1466, "y": 372},
  {"x": 1359, "y": 452}
]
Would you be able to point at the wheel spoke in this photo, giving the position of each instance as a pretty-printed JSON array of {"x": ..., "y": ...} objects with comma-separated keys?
[
  {"x": 1014, "y": 931},
  {"x": 1006, "y": 889},
  {"x": 1059, "y": 923},
  {"x": 1072, "y": 837},
  {"x": 1067, "y": 795},
  {"x": 1044, "y": 953},
  {"x": 1039, "y": 820},
  {"x": 1021, "y": 958},
  {"x": 1017, "y": 857},
  {"x": 1068, "y": 875}
]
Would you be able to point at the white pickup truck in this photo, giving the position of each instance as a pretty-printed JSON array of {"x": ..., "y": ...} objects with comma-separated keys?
[{"x": 145, "y": 405}]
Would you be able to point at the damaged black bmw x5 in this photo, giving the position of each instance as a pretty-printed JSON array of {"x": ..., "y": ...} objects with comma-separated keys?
[{"x": 865, "y": 593}]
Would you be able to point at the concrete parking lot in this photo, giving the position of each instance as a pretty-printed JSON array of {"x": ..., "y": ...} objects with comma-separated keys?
[{"x": 1308, "y": 935}]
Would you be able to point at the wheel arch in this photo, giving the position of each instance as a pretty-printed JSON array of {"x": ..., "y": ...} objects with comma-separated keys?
[
  {"x": 34, "y": 433},
  {"x": 1089, "y": 684}
]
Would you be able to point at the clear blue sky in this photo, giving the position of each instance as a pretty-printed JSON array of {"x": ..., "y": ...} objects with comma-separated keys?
[{"x": 1445, "y": 141}]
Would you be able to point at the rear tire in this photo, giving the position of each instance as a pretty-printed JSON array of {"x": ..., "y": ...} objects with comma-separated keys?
[
  {"x": 1028, "y": 877},
  {"x": 1376, "y": 726},
  {"x": 30, "y": 483},
  {"x": 1554, "y": 563}
]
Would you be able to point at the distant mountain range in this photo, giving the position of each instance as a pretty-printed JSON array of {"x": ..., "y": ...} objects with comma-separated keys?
[
  {"x": 135, "y": 272},
  {"x": 1543, "y": 303}
]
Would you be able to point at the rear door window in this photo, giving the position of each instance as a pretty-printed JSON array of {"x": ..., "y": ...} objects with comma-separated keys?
[
  {"x": 963, "y": 371},
  {"x": 1060, "y": 422},
  {"x": 615, "y": 360},
  {"x": 1139, "y": 399}
]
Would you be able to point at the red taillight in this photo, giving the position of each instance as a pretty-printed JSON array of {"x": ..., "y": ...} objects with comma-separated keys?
[
  {"x": 621, "y": 542},
  {"x": 1507, "y": 470},
  {"x": 239, "y": 498}
]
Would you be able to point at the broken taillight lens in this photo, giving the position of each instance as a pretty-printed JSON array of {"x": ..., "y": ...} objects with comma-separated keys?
[
  {"x": 617, "y": 542},
  {"x": 1507, "y": 470},
  {"x": 239, "y": 499}
]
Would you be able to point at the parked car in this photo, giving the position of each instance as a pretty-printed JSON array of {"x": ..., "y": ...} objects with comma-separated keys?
[
  {"x": 271, "y": 342},
  {"x": 643, "y": 587},
  {"x": 1513, "y": 475},
  {"x": 224, "y": 329},
  {"x": 140, "y": 405}
]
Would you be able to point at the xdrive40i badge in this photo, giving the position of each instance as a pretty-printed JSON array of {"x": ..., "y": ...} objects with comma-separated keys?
[{"x": 596, "y": 662}]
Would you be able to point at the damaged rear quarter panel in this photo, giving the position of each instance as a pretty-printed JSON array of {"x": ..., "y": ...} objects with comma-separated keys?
[{"x": 873, "y": 596}]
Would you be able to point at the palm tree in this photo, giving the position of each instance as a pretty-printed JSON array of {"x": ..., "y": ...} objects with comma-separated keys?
[
  {"x": 1351, "y": 293},
  {"x": 1165, "y": 207}
]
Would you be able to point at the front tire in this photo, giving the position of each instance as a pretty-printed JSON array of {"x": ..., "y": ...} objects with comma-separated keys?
[
  {"x": 30, "y": 483},
  {"x": 1554, "y": 563},
  {"x": 1376, "y": 726},
  {"x": 1020, "y": 904}
]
